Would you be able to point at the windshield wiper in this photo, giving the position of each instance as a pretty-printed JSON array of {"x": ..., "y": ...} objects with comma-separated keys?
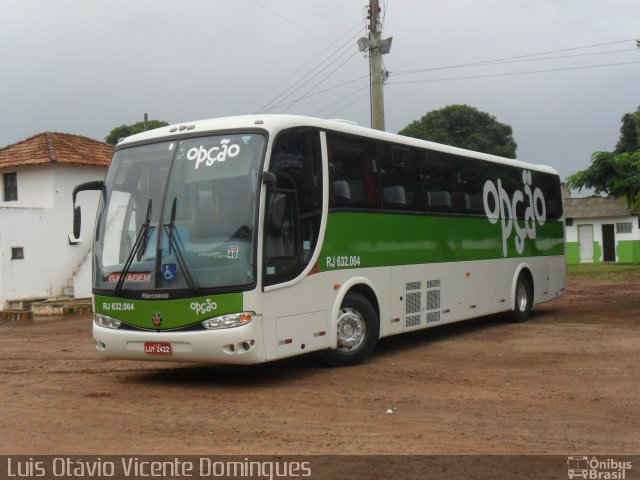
[
  {"x": 172, "y": 233},
  {"x": 139, "y": 245}
]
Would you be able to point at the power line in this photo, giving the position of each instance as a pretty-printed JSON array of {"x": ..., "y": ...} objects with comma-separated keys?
[
  {"x": 287, "y": 91},
  {"x": 294, "y": 72},
  {"x": 334, "y": 87},
  {"x": 506, "y": 62},
  {"x": 346, "y": 97},
  {"x": 322, "y": 80},
  {"x": 288, "y": 20},
  {"x": 505, "y": 59},
  {"x": 364, "y": 95},
  {"x": 320, "y": 92},
  {"x": 304, "y": 80},
  {"x": 511, "y": 74},
  {"x": 309, "y": 95},
  {"x": 385, "y": 7},
  {"x": 569, "y": 49},
  {"x": 297, "y": 25}
]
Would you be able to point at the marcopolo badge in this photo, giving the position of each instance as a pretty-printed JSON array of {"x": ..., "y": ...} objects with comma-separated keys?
[{"x": 156, "y": 319}]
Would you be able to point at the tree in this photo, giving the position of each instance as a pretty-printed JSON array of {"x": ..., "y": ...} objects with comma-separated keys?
[
  {"x": 466, "y": 127},
  {"x": 616, "y": 173},
  {"x": 629, "y": 140},
  {"x": 125, "y": 130}
]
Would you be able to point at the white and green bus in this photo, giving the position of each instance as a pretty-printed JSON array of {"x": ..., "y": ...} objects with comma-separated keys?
[{"x": 248, "y": 239}]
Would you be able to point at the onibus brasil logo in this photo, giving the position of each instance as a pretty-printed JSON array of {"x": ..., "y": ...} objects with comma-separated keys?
[
  {"x": 500, "y": 208},
  {"x": 596, "y": 468}
]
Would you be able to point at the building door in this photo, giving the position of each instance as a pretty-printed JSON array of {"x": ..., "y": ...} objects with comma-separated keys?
[
  {"x": 585, "y": 239},
  {"x": 608, "y": 243}
]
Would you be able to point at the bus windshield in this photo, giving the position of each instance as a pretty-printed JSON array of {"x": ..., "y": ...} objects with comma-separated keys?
[{"x": 180, "y": 215}]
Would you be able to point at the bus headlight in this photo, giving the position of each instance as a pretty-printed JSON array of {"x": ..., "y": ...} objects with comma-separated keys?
[
  {"x": 228, "y": 321},
  {"x": 106, "y": 321}
]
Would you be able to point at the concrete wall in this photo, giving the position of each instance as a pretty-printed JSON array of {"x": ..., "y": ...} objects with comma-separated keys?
[
  {"x": 35, "y": 187},
  {"x": 40, "y": 222}
]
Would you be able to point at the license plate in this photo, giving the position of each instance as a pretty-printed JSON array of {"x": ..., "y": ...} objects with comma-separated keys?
[{"x": 157, "y": 348}]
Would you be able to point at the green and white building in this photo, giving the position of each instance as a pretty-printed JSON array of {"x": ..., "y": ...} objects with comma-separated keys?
[{"x": 601, "y": 229}]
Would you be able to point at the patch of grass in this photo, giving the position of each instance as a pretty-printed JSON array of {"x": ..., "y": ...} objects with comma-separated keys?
[{"x": 605, "y": 271}]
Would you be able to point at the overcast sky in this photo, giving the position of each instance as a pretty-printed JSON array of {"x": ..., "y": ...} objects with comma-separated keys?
[{"x": 86, "y": 66}]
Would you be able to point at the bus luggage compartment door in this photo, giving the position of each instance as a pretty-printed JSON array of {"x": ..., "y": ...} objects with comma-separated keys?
[{"x": 301, "y": 333}]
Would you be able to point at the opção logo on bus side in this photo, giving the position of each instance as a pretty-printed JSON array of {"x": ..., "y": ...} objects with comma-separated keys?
[
  {"x": 503, "y": 208},
  {"x": 213, "y": 154}
]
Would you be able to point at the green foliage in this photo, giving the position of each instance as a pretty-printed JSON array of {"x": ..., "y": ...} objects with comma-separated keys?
[
  {"x": 629, "y": 140},
  {"x": 615, "y": 173},
  {"x": 466, "y": 127},
  {"x": 126, "y": 130}
]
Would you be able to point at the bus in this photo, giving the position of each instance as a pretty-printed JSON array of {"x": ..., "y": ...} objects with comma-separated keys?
[
  {"x": 578, "y": 467},
  {"x": 248, "y": 239}
]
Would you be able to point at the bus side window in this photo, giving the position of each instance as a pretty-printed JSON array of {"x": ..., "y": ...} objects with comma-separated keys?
[
  {"x": 474, "y": 174},
  {"x": 437, "y": 173},
  {"x": 551, "y": 192},
  {"x": 399, "y": 178},
  {"x": 341, "y": 193},
  {"x": 297, "y": 163},
  {"x": 353, "y": 173}
]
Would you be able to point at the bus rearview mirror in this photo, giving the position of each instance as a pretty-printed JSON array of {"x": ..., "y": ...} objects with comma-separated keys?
[
  {"x": 77, "y": 221},
  {"x": 74, "y": 238},
  {"x": 269, "y": 179},
  {"x": 276, "y": 211}
]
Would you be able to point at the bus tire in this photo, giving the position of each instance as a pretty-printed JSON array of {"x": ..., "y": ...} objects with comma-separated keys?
[
  {"x": 523, "y": 300},
  {"x": 358, "y": 327}
]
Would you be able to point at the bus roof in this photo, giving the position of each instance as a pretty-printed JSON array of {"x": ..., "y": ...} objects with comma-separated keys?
[{"x": 273, "y": 123}]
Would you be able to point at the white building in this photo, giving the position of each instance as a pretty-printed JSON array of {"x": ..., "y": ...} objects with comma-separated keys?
[
  {"x": 37, "y": 179},
  {"x": 601, "y": 229}
]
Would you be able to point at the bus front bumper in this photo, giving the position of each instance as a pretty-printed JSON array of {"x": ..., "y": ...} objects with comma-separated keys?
[{"x": 241, "y": 345}]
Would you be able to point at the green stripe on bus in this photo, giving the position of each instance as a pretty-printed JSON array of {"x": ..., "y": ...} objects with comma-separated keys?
[
  {"x": 167, "y": 314},
  {"x": 367, "y": 239}
]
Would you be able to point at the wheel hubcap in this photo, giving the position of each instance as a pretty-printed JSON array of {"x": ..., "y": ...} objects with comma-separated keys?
[
  {"x": 351, "y": 329},
  {"x": 522, "y": 297}
]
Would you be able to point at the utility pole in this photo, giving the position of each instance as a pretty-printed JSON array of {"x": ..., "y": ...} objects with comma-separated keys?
[{"x": 377, "y": 47}]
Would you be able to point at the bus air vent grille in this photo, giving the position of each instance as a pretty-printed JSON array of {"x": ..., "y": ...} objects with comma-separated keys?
[
  {"x": 413, "y": 303},
  {"x": 412, "y": 321},
  {"x": 433, "y": 299},
  {"x": 413, "y": 286},
  {"x": 433, "y": 283},
  {"x": 433, "y": 317}
]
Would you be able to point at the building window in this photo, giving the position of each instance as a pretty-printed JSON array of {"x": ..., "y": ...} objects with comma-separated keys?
[
  {"x": 10, "y": 187},
  {"x": 569, "y": 222},
  {"x": 624, "y": 227},
  {"x": 17, "y": 253}
]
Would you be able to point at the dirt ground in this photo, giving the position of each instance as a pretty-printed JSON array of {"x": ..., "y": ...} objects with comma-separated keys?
[{"x": 565, "y": 381}]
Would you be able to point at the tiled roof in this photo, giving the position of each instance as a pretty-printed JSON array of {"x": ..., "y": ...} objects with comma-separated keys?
[
  {"x": 51, "y": 147},
  {"x": 595, "y": 207}
]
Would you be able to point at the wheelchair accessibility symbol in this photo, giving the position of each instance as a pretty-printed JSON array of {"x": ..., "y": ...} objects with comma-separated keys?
[{"x": 169, "y": 271}]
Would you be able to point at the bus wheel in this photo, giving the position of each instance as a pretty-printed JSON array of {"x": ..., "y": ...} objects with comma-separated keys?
[
  {"x": 357, "y": 328},
  {"x": 524, "y": 300}
]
